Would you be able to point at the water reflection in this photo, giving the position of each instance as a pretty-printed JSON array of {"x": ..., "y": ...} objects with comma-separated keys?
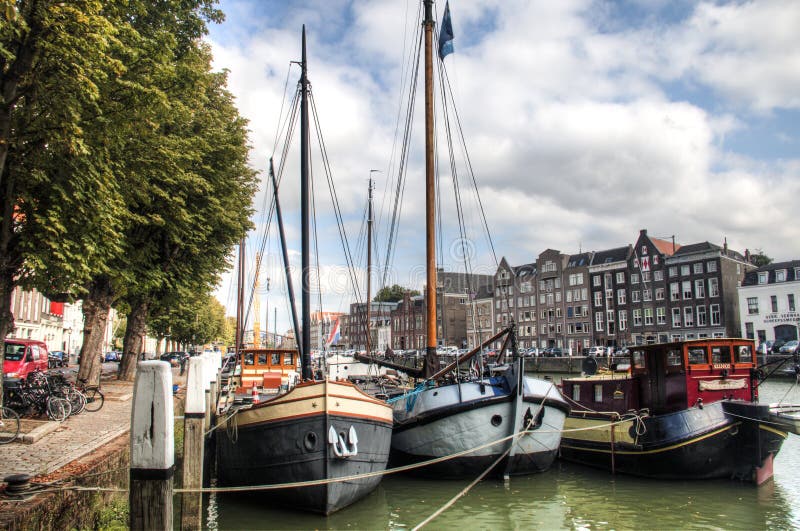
[{"x": 568, "y": 496}]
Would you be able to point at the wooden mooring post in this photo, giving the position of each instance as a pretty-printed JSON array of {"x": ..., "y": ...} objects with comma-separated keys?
[
  {"x": 152, "y": 448},
  {"x": 193, "y": 445}
]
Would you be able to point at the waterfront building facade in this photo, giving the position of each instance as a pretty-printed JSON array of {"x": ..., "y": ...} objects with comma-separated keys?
[{"x": 768, "y": 302}]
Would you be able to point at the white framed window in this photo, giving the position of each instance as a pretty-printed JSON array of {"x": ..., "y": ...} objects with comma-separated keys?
[
  {"x": 790, "y": 298},
  {"x": 688, "y": 316},
  {"x": 598, "y": 298},
  {"x": 598, "y": 321},
  {"x": 711, "y": 267},
  {"x": 637, "y": 317},
  {"x": 645, "y": 276},
  {"x": 676, "y": 318},
  {"x": 597, "y": 281},
  {"x": 701, "y": 316},
  {"x": 634, "y": 278},
  {"x": 621, "y": 277},
  {"x": 698, "y": 268},
  {"x": 715, "y": 316},
  {"x": 713, "y": 287},
  {"x": 659, "y": 294},
  {"x": 762, "y": 277},
  {"x": 673, "y": 271},
  {"x": 752, "y": 305},
  {"x": 621, "y": 296},
  {"x": 685, "y": 270},
  {"x": 687, "y": 289},
  {"x": 773, "y": 300},
  {"x": 584, "y": 294},
  {"x": 780, "y": 275},
  {"x": 648, "y": 317},
  {"x": 658, "y": 276},
  {"x": 622, "y": 317},
  {"x": 699, "y": 288},
  {"x": 647, "y": 295},
  {"x": 634, "y": 296},
  {"x": 661, "y": 315},
  {"x": 674, "y": 291}
]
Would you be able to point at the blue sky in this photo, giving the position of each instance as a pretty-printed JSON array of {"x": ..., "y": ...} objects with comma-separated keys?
[{"x": 585, "y": 120}]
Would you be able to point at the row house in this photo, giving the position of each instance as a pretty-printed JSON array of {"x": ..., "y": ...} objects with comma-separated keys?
[
  {"x": 480, "y": 317},
  {"x": 321, "y": 325},
  {"x": 408, "y": 323},
  {"x": 609, "y": 296},
  {"x": 379, "y": 321},
  {"x": 768, "y": 302}
]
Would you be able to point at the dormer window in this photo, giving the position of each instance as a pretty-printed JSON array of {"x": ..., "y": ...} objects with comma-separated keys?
[
  {"x": 780, "y": 275},
  {"x": 762, "y": 277}
]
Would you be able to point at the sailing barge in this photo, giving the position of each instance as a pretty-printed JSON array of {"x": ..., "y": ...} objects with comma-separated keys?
[{"x": 683, "y": 410}]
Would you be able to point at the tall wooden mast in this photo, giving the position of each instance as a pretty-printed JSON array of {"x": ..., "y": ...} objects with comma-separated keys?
[
  {"x": 431, "y": 360},
  {"x": 305, "y": 349},
  {"x": 238, "y": 340}
]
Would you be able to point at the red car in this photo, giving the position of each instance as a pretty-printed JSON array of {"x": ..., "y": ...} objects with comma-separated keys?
[{"x": 23, "y": 356}]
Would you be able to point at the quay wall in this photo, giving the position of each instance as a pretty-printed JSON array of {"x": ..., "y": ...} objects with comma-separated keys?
[{"x": 107, "y": 466}]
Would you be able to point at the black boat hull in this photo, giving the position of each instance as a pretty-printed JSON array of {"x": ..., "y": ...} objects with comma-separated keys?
[{"x": 721, "y": 440}]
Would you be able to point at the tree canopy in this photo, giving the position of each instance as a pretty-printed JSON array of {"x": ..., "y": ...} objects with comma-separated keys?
[{"x": 393, "y": 293}]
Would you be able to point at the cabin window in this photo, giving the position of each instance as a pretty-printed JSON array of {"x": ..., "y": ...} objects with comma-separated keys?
[
  {"x": 288, "y": 358},
  {"x": 721, "y": 354},
  {"x": 262, "y": 358},
  {"x": 598, "y": 392},
  {"x": 744, "y": 354},
  {"x": 249, "y": 358},
  {"x": 275, "y": 358},
  {"x": 698, "y": 356},
  {"x": 674, "y": 357},
  {"x": 576, "y": 392},
  {"x": 638, "y": 359}
]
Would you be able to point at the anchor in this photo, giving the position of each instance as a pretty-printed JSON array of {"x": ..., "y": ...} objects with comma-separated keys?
[{"x": 340, "y": 447}]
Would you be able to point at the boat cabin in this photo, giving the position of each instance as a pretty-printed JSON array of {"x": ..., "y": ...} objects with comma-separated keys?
[
  {"x": 269, "y": 369},
  {"x": 670, "y": 377}
]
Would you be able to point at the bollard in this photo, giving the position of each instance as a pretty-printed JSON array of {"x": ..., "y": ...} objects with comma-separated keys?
[
  {"x": 152, "y": 448},
  {"x": 193, "y": 439}
]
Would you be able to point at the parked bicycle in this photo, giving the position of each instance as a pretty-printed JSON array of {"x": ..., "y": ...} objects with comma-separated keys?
[
  {"x": 9, "y": 425},
  {"x": 27, "y": 398},
  {"x": 94, "y": 397}
]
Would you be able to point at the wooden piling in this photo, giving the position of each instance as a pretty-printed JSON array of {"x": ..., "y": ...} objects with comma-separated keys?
[
  {"x": 193, "y": 445},
  {"x": 152, "y": 448}
]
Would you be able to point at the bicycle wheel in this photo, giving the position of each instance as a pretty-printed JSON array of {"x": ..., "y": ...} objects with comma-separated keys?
[
  {"x": 76, "y": 400},
  {"x": 9, "y": 425},
  {"x": 94, "y": 399},
  {"x": 58, "y": 409}
]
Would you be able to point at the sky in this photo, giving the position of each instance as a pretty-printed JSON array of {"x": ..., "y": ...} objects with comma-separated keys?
[{"x": 584, "y": 121}]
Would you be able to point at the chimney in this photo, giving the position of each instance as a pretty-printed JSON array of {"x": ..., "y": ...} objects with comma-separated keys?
[
  {"x": 725, "y": 246},
  {"x": 747, "y": 255},
  {"x": 643, "y": 232}
]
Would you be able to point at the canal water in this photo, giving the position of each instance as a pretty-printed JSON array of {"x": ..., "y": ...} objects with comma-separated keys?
[{"x": 568, "y": 496}]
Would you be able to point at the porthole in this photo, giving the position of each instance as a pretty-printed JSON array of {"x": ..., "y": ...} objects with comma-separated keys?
[
  {"x": 497, "y": 420},
  {"x": 310, "y": 441}
]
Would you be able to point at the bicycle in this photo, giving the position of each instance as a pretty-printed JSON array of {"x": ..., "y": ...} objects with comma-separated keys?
[
  {"x": 9, "y": 425},
  {"x": 62, "y": 388},
  {"x": 94, "y": 397}
]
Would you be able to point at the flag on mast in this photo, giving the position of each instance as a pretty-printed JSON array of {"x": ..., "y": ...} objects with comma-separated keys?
[
  {"x": 446, "y": 33},
  {"x": 334, "y": 335}
]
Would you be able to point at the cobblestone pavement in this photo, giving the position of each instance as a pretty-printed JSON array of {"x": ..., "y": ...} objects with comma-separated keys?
[{"x": 79, "y": 435}]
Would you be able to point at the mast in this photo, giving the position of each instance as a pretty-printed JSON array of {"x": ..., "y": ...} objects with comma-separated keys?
[
  {"x": 431, "y": 360},
  {"x": 369, "y": 258},
  {"x": 239, "y": 300},
  {"x": 305, "y": 350}
]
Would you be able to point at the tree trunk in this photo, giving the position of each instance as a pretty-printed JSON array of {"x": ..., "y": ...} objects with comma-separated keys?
[
  {"x": 132, "y": 345},
  {"x": 96, "y": 309},
  {"x": 6, "y": 320}
]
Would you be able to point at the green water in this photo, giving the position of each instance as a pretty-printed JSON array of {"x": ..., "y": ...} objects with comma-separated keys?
[{"x": 566, "y": 497}]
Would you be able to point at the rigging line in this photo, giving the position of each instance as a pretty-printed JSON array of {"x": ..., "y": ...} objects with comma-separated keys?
[
  {"x": 283, "y": 100},
  {"x": 471, "y": 172},
  {"x": 315, "y": 235},
  {"x": 334, "y": 199},
  {"x": 403, "y": 163}
]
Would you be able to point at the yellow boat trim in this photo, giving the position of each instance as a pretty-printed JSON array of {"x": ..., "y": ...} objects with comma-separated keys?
[
  {"x": 773, "y": 430},
  {"x": 658, "y": 450}
]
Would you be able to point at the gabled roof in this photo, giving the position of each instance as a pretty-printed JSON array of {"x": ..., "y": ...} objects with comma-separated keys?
[
  {"x": 609, "y": 256},
  {"x": 580, "y": 260},
  {"x": 751, "y": 277},
  {"x": 707, "y": 247},
  {"x": 665, "y": 247},
  {"x": 524, "y": 270}
]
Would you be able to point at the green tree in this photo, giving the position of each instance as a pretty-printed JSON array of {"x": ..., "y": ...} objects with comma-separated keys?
[
  {"x": 393, "y": 294},
  {"x": 760, "y": 259}
]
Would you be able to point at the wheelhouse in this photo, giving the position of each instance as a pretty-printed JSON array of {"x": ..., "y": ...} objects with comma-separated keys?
[
  {"x": 269, "y": 368},
  {"x": 670, "y": 377}
]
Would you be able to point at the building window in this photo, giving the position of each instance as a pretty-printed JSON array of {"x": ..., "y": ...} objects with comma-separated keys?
[
  {"x": 673, "y": 271},
  {"x": 598, "y": 321},
  {"x": 676, "y": 318},
  {"x": 687, "y": 289},
  {"x": 623, "y": 319},
  {"x": 597, "y": 281},
  {"x": 661, "y": 315},
  {"x": 699, "y": 288},
  {"x": 647, "y": 295},
  {"x": 645, "y": 276},
  {"x": 698, "y": 268},
  {"x": 685, "y": 270},
  {"x": 620, "y": 296},
  {"x": 598, "y": 298},
  {"x": 674, "y": 291},
  {"x": 774, "y": 302},
  {"x": 711, "y": 267},
  {"x": 688, "y": 316},
  {"x": 713, "y": 287},
  {"x": 634, "y": 296},
  {"x": 648, "y": 316},
  {"x": 659, "y": 294},
  {"x": 752, "y": 305},
  {"x": 715, "y": 316},
  {"x": 621, "y": 277},
  {"x": 762, "y": 277},
  {"x": 701, "y": 316},
  {"x": 791, "y": 302},
  {"x": 634, "y": 278},
  {"x": 637, "y": 317},
  {"x": 658, "y": 276}
]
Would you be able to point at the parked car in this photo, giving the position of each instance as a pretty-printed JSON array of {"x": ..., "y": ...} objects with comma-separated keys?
[
  {"x": 57, "y": 358},
  {"x": 113, "y": 356},
  {"x": 776, "y": 346},
  {"x": 532, "y": 353},
  {"x": 23, "y": 356},
  {"x": 790, "y": 347},
  {"x": 556, "y": 352},
  {"x": 174, "y": 358},
  {"x": 596, "y": 351}
]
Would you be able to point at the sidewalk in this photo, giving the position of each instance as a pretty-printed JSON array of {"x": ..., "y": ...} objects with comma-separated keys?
[{"x": 77, "y": 436}]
